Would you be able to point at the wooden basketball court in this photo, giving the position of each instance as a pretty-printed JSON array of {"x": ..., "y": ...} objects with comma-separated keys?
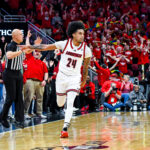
[{"x": 102, "y": 130}]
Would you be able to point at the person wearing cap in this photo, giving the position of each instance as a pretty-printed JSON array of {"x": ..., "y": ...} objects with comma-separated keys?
[
  {"x": 111, "y": 93},
  {"x": 136, "y": 98},
  {"x": 35, "y": 78}
]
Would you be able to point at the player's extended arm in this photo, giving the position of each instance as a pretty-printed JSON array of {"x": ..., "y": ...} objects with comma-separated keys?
[
  {"x": 85, "y": 70},
  {"x": 40, "y": 47}
]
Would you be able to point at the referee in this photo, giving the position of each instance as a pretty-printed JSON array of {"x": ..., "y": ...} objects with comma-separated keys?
[{"x": 13, "y": 80}]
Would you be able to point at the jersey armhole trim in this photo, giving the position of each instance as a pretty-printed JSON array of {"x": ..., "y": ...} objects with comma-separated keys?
[
  {"x": 84, "y": 50},
  {"x": 72, "y": 90},
  {"x": 65, "y": 46},
  {"x": 60, "y": 94}
]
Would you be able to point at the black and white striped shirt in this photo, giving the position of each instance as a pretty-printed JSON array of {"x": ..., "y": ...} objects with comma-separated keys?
[{"x": 15, "y": 63}]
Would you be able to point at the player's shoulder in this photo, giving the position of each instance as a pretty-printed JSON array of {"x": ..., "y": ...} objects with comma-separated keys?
[
  {"x": 88, "y": 52},
  {"x": 62, "y": 41},
  {"x": 61, "y": 44},
  {"x": 87, "y": 48}
]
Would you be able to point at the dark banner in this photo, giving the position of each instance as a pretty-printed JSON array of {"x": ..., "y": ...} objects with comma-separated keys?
[{"x": 7, "y": 28}]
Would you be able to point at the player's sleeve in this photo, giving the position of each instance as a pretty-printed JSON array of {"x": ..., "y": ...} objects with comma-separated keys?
[
  {"x": 61, "y": 44},
  {"x": 88, "y": 52}
]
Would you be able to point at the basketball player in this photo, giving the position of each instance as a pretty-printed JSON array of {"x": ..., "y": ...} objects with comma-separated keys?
[{"x": 68, "y": 81}]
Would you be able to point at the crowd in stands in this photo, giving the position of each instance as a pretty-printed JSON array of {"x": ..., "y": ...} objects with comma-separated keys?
[{"x": 118, "y": 33}]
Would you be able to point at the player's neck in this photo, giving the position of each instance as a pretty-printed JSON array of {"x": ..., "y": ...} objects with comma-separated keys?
[{"x": 75, "y": 43}]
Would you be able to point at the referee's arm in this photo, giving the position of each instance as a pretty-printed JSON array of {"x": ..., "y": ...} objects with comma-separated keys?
[{"x": 11, "y": 55}]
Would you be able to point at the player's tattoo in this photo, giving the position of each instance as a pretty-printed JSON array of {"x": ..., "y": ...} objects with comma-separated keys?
[
  {"x": 40, "y": 46},
  {"x": 85, "y": 67}
]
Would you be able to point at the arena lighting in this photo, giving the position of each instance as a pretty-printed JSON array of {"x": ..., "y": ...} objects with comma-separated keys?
[{"x": 7, "y": 32}]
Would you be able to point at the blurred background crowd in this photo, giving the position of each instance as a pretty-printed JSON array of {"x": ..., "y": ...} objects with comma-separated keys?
[{"x": 118, "y": 33}]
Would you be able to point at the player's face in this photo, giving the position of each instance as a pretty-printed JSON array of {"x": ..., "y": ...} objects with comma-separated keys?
[{"x": 79, "y": 35}]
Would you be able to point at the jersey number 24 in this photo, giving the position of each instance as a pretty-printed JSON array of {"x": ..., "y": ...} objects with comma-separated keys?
[{"x": 71, "y": 62}]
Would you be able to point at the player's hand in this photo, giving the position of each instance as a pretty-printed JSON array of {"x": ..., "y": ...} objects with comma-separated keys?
[
  {"x": 43, "y": 83},
  {"x": 38, "y": 41},
  {"x": 82, "y": 84}
]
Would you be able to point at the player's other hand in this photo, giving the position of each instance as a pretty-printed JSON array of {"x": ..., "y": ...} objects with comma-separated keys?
[{"x": 82, "y": 84}]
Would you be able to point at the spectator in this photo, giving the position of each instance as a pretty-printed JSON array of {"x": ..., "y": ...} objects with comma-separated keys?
[
  {"x": 103, "y": 74},
  {"x": 126, "y": 88},
  {"x": 50, "y": 90},
  {"x": 46, "y": 21},
  {"x": 56, "y": 19},
  {"x": 2, "y": 45},
  {"x": 52, "y": 98},
  {"x": 87, "y": 95},
  {"x": 111, "y": 94},
  {"x": 35, "y": 78},
  {"x": 57, "y": 32},
  {"x": 1, "y": 81},
  {"x": 143, "y": 60},
  {"x": 137, "y": 99},
  {"x": 97, "y": 51},
  {"x": 110, "y": 56}
]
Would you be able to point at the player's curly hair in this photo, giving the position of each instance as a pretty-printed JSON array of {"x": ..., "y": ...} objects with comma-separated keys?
[{"x": 73, "y": 27}]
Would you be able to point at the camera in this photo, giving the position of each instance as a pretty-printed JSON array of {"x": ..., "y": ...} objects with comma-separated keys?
[
  {"x": 136, "y": 81},
  {"x": 88, "y": 90},
  {"x": 134, "y": 100},
  {"x": 114, "y": 88}
]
